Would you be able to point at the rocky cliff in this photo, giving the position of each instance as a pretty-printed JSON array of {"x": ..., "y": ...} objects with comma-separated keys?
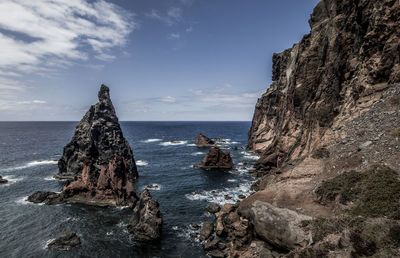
[
  {"x": 351, "y": 54},
  {"x": 328, "y": 134},
  {"x": 99, "y": 159}
]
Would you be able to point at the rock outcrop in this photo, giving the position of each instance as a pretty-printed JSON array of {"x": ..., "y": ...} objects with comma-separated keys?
[
  {"x": 146, "y": 222},
  {"x": 330, "y": 113},
  {"x": 350, "y": 56},
  {"x": 49, "y": 198},
  {"x": 99, "y": 159},
  {"x": 216, "y": 159},
  {"x": 3, "y": 181},
  {"x": 67, "y": 241},
  {"x": 203, "y": 141}
]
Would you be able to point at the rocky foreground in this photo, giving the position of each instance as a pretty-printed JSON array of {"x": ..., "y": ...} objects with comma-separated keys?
[{"x": 328, "y": 134}]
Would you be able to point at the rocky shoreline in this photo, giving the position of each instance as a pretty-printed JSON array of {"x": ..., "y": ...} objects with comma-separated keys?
[{"x": 328, "y": 144}]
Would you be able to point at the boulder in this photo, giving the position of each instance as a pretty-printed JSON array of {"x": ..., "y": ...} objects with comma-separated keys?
[
  {"x": 280, "y": 227},
  {"x": 99, "y": 160},
  {"x": 67, "y": 241},
  {"x": 213, "y": 208},
  {"x": 206, "y": 231},
  {"x": 216, "y": 159},
  {"x": 3, "y": 181},
  {"x": 49, "y": 198},
  {"x": 203, "y": 141},
  {"x": 146, "y": 222}
]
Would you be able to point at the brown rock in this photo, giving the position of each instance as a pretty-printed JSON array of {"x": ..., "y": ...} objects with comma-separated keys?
[
  {"x": 203, "y": 141},
  {"x": 211, "y": 244},
  {"x": 99, "y": 159},
  {"x": 346, "y": 58},
  {"x": 146, "y": 222},
  {"x": 206, "y": 231},
  {"x": 216, "y": 159},
  {"x": 213, "y": 208}
]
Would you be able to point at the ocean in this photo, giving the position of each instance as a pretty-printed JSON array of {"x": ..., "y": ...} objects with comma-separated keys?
[{"x": 28, "y": 159}]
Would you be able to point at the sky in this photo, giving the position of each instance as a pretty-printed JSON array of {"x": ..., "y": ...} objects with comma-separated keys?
[{"x": 164, "y": 60}]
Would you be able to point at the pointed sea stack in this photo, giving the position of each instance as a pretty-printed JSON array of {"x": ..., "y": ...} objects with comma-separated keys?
[
  {"x": 99, "y": 159},
  {"x": 203, "y": 141},
  {"x": 216, "y": 159}
]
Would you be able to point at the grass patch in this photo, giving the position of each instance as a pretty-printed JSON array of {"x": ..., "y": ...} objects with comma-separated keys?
[{"x": 374, "y": 192}]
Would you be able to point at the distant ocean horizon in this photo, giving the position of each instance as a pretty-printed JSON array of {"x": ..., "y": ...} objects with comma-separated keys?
[{"x": 165, "y": 155}]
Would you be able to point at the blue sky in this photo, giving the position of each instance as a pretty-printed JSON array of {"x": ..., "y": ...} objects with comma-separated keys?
[{"x": 163, "y": 60}]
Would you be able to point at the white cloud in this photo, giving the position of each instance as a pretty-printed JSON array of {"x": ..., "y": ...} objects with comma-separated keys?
[
  {"x": 28, "y": 102},
  {"x": 174, "y": 36},
  {"x": 43, "y": 36},
  {"x": 219, "y": 95},
  {"x": 189, "y": 29},
  {"x": 168, "y": 99},
  {"x": 175, "y": 13},
  {"x": 171, "y": 17}
]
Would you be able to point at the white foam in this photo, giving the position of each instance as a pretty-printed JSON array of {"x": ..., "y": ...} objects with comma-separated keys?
[
  {"x": 218, "y": 195},
  {"x": 24, "y": 201},
  {"x": 249, "y": 155},
  {"x": 141, "y": 163},
  {"x": 48, "y": 242},
  {"x": 110, "y": 233},
  {"x": 11, "y": 180},
  {"x": 32, "y": 164},
  {"x": 198, "y": 153},
  {"x": 155, "y": 187},
  {"x": 232, "y": 180},
  {"x": 173, "y": 143},
  {"x": 191, "y": 145},
  {"x": 49, "y": 178},
  {"x": 152, "y": 140}
]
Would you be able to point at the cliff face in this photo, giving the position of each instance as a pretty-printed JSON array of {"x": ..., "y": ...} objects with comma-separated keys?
[
  {"x": 351, "y": 54},
  {"x": 99, "y": 158},
  {"x": 328, "y": 133}
]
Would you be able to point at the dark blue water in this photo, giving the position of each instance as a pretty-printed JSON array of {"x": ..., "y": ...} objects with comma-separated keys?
[{"x": 28, "y": 151}]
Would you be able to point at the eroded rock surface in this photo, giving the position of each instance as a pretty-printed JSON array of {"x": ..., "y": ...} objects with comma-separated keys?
[
  {"x": 146, "y": 222},
  {"x": 99, "y": 159},
  {"x": 350, "y": 56},
  {"x": 203, "y": 141},
  {"x": 216, "y": 159}
]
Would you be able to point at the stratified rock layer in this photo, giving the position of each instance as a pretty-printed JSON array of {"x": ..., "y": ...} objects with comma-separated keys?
[
  {"x": 216, "y": 159},
  {"x": 203, "y": 141},
  {"x": 99, "y": 159},
  {"x": 351, "y": 53},
  {"x": 146, "y": 222}
]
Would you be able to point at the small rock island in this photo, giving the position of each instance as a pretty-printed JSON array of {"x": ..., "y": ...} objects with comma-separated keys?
[
  {"x": 216, "y": 159},
  {"x": 203, "y": 141}
]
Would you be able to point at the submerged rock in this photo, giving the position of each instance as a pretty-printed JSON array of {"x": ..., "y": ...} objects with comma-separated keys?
[
  {"x": 146, "y": 222},
  {"x": 67, "y": 241},
  {"x": 99, "y": 159},
  {"x": 3, "y": 181},
  {"x": 203, "y": 141},
  {"x": 216, "y": 159}
]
